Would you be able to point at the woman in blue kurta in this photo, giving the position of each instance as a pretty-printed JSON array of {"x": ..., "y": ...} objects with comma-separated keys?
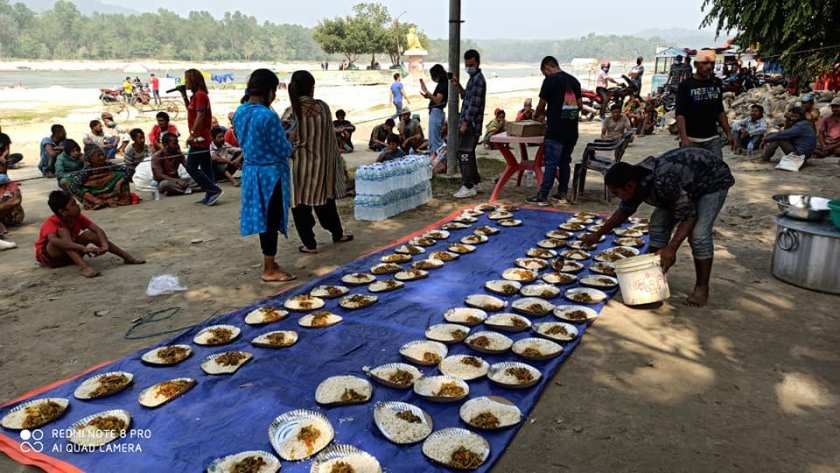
[{"x": 265, "y": 173}]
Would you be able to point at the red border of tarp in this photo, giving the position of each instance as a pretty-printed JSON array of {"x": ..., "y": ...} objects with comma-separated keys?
[{"x": 11, "y": 447}]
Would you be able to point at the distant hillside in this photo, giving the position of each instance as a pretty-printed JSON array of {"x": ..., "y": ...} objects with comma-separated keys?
[
  {"x": 681, "y": 37},
  {"x": 85, "y": 6}
]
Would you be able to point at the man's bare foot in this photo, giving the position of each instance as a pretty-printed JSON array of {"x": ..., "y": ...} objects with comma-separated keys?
[
  {"x": 133, "y": 260},
  {"x": 89, "y": 272},
  {"x": 699, "y": 297},
  {"x": 277, "y": 276}
]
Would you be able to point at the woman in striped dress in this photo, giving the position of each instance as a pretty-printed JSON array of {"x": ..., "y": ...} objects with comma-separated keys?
[{"x": 317, "y": 173}]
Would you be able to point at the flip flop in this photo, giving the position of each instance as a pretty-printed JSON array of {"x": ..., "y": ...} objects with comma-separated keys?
[
  {"x": 309, "y": 251},
  {"x": 344, "y": 239},
  {"x": 291, "y": 277}
]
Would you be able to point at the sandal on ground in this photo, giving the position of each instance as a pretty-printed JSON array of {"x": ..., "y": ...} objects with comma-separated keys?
[
  {"x": 345, "y": 238},
  {"x": 290, "y": 277},
  {"x": 307, "y": 250}
]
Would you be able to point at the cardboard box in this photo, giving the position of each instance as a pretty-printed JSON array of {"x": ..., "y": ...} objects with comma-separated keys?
[{"x": 526, "y": 128}]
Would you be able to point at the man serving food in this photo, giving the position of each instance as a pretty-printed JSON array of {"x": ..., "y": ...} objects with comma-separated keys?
[{"x": 687, "y": 187}]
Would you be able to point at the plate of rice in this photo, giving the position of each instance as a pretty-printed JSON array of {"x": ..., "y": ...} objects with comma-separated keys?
[
  {"x": 488, "y": 342},
  {"x": 424, "y": 352},
  {"x": 490, "y": 413},
  {"x": 455, "y": 448},
  {"x": 402, "y": 423},
  {"x": 514, "y": 375},
  {"x": 466, "y": 367}
]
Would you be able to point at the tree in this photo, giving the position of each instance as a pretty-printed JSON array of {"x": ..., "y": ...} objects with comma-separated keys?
[
  {"x": 370, "y": 20},
  {"x": 802, "y": 34},
  {"x": 341, "y": 36}
]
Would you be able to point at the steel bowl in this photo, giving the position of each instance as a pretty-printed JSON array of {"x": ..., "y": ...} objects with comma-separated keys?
[{"x": 803, "y": 206}]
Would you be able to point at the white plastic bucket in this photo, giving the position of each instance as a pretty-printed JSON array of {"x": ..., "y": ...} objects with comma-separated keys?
[{"x": 641, "y": 280}]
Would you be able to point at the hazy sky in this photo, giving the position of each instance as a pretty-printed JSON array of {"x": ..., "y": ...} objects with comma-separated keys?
[{"x": 484, "y": 18}]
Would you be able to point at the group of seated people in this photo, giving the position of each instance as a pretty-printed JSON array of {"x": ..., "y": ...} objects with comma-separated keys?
[
  {"x": 407, "y": 139},
  {"x": 157, "y": 163},
  {"x": 805, "y": 132}
]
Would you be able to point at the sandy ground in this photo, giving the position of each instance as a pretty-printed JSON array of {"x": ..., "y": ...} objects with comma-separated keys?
[{"x": 750, "y": 383}]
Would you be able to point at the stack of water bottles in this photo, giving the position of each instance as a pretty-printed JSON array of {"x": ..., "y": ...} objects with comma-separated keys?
[{"x": 387, "y": 189}]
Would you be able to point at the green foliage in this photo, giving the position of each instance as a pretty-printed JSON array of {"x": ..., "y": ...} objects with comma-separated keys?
[
  {"x": 63, "y": 32},
  {"x": 370, "y": 30},
  {"x": 803, "y": 34}
]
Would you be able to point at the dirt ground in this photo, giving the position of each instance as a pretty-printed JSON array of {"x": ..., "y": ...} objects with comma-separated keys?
[{"x": 750, "y": 383}]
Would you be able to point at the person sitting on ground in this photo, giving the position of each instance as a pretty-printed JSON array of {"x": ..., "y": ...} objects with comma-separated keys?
[
  {"x": 165, "y": 164},
  {"x": 810, "y": 111},
  {"x": 11, "y": 208},
  {"x": 653, "y": 110},
  {"x": 527, "y": 112},
  {"x": 50, "y": 149},
  {"x": 496, "y": 126},
  {"x": 11, "y": 159},
  {"x": 828, "y": 133},
  {"x": 162, "y": 126},
  {"x": 69, "y": 165},
  {"x": 114, "y": 132},
  {"x": 226, "y": 159},
  {"x": 393, "y": 150},
  {"x": 634, "y": 111},
  {"x": 798, "y": 137},
  {"x": 616, "y": 125},
  {"x": 750, "y": 130},
  {"x": 101, "y": 185},
  {"x": 343, "y": 131},
  {"x": 97, "y": 137},
  {"x": 411, "y": 133},
  {"x": 688, "y": 187},
  {"x": 68, "y": 236},
  {"x": 379, "y": 135},
  {"x": 230, "y": 134},
  {"x": 136, "y": 153},
  {"x": 214, "y": 123}
]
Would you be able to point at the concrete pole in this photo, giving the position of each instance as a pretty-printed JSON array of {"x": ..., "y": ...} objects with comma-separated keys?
[{"x": 452, "y": 167}]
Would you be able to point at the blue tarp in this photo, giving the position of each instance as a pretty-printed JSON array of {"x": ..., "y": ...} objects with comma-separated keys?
[{"x": 228, "y": 414}]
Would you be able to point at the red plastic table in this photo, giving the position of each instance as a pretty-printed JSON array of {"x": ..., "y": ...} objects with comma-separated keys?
[{"x": 502, "y": 143}]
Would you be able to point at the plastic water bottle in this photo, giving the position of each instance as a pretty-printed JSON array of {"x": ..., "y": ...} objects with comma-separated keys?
[
  {"x": 750, "y": 148},
  {"x": 155, "y": 189},
  {"x": 530, "y": 179}
]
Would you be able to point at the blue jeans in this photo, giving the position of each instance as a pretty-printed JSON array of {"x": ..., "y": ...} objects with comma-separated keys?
[
  {"x": 557, "y": 160},
  {"x": 743, "y": 143},
  {"x": 398, "y": 107},
  {"x": 436, "y": 120},
  {"x": 702, "y": 244}
]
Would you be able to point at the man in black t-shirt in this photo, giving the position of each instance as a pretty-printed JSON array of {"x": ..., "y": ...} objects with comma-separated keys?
[
  {"x": 379, "y": 135},
  {"x": 700, "y": 107},
  {"x": 559, "y": 107},
  {"x": 343, "y": 131}
]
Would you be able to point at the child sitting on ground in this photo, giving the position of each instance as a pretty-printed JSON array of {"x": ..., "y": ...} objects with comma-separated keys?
[
  {"x": 393, "y": 151},
  {"x": 226, "y": 158},
  {"x": 68, "y": 236}
]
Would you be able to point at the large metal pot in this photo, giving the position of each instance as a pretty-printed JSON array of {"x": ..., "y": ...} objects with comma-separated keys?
[
  {"x": 803, "y": 206},
  {"x": 807, "y": 254}
]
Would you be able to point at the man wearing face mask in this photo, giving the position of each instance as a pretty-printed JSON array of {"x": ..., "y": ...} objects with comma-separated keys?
[
  {"x": 700, "y": 107},
  {"x": 471, "y": 121}
]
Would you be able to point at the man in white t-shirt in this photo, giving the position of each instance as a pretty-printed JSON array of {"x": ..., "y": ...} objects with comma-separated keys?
[{"x": 602, "y": 82}]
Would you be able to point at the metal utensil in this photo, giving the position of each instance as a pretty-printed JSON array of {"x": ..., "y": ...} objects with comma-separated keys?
[{"x": 803, "y": 206}]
